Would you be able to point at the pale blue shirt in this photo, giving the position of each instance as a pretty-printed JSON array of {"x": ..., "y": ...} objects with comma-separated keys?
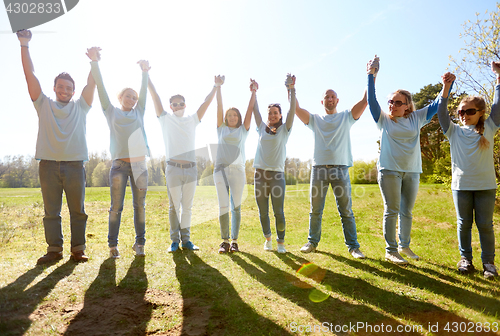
[
  {"x": 61, "y": 129},
  {"x": 179, "y": 136},
  {"x": 400, "y": 142},
  {"x": 472, "y": 168},
  {"x": 332, "y": 138},
  {"x": 271, "y": 148},
  {"x": 231, "y": 148}
]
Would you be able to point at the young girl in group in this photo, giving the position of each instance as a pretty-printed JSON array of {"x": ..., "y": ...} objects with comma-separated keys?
[
  {"x": 128, "y": 147},
  {"x": 399, "y": 163},
  {"x": 229, "y": 172},
  {"x": 473, "y": 173},
  {"x": 269, "y": 164}
]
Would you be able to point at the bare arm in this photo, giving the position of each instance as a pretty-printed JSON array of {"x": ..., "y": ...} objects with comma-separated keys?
[
  {"x": 156, "y": 98},
  {"x": 220, "y": 110},
  {"x": 34, "y": 88},
  {"x": 290, "y": 84},
  {"x": 203, "y": 108},
  {"x": 89, "y": 89},
  {"x": 303, "y": 114},
  {"x": 248, "y": 115},
  {"x": 358, "y": 109},
  {"x": 256, "y": 113}
]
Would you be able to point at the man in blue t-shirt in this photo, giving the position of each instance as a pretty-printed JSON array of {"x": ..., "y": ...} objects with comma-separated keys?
[
  {"x": 61, "y": 149},
  {"x": 332, "y": 159}
]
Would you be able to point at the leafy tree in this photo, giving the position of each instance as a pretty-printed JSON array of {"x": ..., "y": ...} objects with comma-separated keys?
[
  {"x": 100, "y": 175},
  {"x": 207, "y": 177},
  {"x": 363, "y": 172},
  {"x": 249, "y": 171}
]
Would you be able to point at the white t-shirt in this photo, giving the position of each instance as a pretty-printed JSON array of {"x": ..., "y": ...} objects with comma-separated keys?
[
  {"x": 179, "y": 136},
  {"x": 271, "y": 149},
  {"x": 231, "y": 147}
]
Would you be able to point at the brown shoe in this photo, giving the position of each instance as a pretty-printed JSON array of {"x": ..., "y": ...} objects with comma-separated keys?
[
  {"x": 224, "y": 247},
  {"x": 50, "y": 257},
  {"x": 234, "y": 248},
  {"x": 79, "y": 256}
]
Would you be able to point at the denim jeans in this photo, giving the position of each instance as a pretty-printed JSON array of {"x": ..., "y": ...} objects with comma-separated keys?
[
  {"x": 478, "y": 205},
  {"x": 118, "y": 178},
  {"x": 181, "y": 186},
  {"x": 229, "y": 179},
  {"x": 271, "y": 184},
  {"x": 56, "y": 177},
  {"x": 338, "y": 177},
  {"x": 399, "y": 191}
]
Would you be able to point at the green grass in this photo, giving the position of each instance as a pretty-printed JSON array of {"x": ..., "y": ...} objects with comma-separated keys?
[{"x": 249, "y": 293}]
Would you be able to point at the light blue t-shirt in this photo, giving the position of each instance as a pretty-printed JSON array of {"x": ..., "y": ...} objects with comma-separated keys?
[
  {"x": 231, "y": 147},
  {"x": 179, "y": 136},
  {"x": 271, "y": 148},
  {"x": 472, "y": 168},
  {"x": 61, "y": 129},
  {"x": 400, "y": 142},
  {"x": 332, "y": 138}
]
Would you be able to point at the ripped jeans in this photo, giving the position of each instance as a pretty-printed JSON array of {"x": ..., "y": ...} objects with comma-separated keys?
[{"x": 118, "y": 177}]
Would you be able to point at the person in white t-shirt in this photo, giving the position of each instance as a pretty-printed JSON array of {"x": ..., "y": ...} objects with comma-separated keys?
[
  {"x": 181, "y": 173},
  {"x": 61, "y": 148}
]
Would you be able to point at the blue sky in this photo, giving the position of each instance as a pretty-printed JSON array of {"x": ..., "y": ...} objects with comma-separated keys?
[{"x": 325, "y": 43}]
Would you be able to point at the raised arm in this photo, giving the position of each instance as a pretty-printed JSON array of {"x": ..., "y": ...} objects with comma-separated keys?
[
  {"x": 256, "y": 113},
  {"x": 495, "y": 108},
  {"x": 219, "y": 80},
  {"x": 156, "y": 98},
  {"x": 358, "y": 109},
  {"x": 372, "y": 69},
  {"x": 248, "y": 115},
  {"x": 290, "y": 84},
  {"x": 220, "y": 109},
  {"x": 442, "y": 101},
  {"x": 95, "y": 56},
  {"x": 303, "y": 114},
  {"x": 34, "y": 88},
  {"x": 432, "y": 108},
  {"x": 141, "y": 103}
]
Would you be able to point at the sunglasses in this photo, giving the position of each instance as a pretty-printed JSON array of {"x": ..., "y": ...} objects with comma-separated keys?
[
  {"x": 396, "y": 103},
  {"x": 180, "y": 104},
  {"x": 470, "y": 111}
]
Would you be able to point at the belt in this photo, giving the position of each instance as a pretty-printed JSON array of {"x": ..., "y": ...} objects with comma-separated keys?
[
  {"x": 328, "y": 166},
  {"x": 181, "y": 165}
]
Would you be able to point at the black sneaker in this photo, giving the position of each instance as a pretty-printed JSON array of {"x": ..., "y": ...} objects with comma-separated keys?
[
  {"x": 224, "y": 247},
  {"x": 465, "y": 266},
  {"x": 490, "y": 271},
  {"x": 234, "y": 248}
]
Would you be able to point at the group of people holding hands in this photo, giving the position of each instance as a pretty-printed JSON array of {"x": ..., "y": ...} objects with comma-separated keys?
[{"x": 62, "y": 150}]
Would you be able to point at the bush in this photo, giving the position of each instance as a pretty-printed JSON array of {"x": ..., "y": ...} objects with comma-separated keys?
[{"x": 363, "y": 172}]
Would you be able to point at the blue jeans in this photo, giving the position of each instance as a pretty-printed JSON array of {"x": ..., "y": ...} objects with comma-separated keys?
[
  {"x": 229, "y": 179},
  {"x": 271, "y": 184},
  {"x": 399, "y": 191},
  {"x": 56, "y": 177},
  {"x": 338, "y": 177},
  {"x": 478, "y": 204},
  {"x": 181, "y": 186},
  {"x": 118, "y": 178}
]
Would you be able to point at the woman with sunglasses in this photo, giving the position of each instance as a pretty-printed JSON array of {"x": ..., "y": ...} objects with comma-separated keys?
[
  {"x": 229, "y": 173},
  {"x": 129, "y": 148},
  {"x": 399, "y": 163},
  {"x": 473, "y": 181},
  {"x": 269, "y": 164}
]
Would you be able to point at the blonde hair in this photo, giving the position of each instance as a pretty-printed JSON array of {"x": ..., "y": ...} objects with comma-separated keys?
[
  {"x": 409, "y": 103},
  {"x": 122, "y": 92},
  {"x": 480, "y": 105}
]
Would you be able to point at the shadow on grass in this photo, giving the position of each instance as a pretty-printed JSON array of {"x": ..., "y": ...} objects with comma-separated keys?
[
  {"x": 330, "y": 310},
  {"x": 17, "y": 304},
  {"x": 211, "y": 305},
  {"x": 406, "y": 276},
  {"x": 114, "y": 309}
]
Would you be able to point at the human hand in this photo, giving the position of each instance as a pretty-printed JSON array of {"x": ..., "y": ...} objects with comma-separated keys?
[
  {"x": 144, "y": 65},
  {"x": 495, "y": 66},
  {"x": 448, "y": 78},
  {"x": 373, "y": 66},
  {"x": 290, "y": 81},
  {"x": 24, "y": 36},
  {"x": 219, "y": 80},
  {"x": 94, "y": 54},
  {"x": 253, "y": 85}
]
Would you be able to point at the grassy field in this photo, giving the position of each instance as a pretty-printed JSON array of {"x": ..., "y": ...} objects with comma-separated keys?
[{"x": 248, "y": 293}]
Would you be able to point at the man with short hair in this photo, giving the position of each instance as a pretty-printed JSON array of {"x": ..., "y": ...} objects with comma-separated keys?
[
  {"x": 181, "y": 172},
  {"x": 332, "y": 159},
  {"x": 61, "y": 149}
]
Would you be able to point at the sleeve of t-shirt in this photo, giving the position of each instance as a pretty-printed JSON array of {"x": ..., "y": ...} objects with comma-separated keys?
[
  {"x": 312, "y": 121},
  {"x": 38, "y": 103},
  {"x": 83, "y": 105}
]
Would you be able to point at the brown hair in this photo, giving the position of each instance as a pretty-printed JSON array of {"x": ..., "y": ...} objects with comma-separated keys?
[
  {"x": 238, "y": 124},
  {"x": 480, "y": 105},
  {"x": 409, "y": 103},
  {"x": 177, "y": 96},
  {"x": 279, "y": 123}
]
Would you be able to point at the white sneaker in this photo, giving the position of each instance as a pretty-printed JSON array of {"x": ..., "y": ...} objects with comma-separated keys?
[
  {"x": 308, "y": 248},
  {"x": 268, "y": 245},
  {"x": 356, "y": 253},
  {"x": 113, "y": 252},
  {"x": 409, "y": 253},
  {"x": 281, "y": 248},
  {"x": 396, "y": 258},
  {"x": 139, "y": 250}
]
